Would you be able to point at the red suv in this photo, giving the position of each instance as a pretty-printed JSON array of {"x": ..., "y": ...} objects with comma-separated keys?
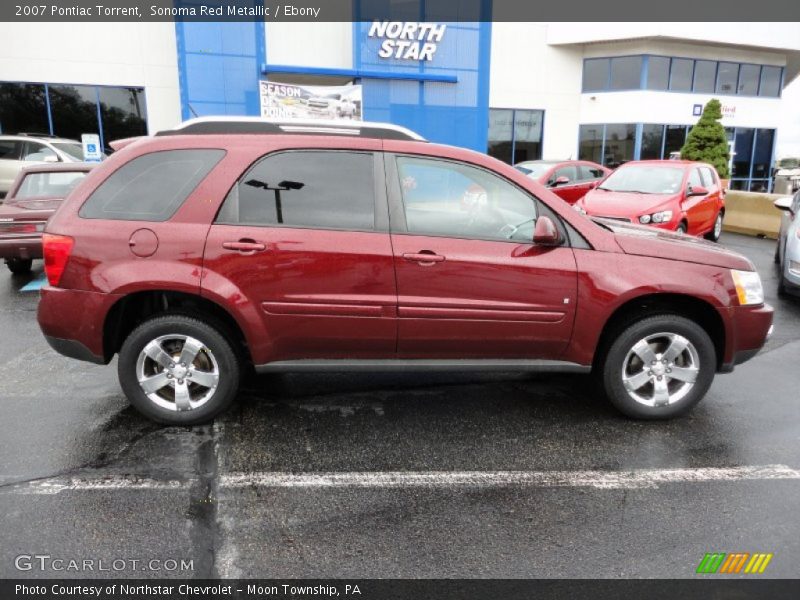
[
  {"x": 677, "y": 195},
  {"x": 226, "y": 245},
  {"x": 568, "y": 179}
]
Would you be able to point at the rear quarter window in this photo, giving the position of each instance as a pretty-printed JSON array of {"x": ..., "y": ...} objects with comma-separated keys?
[{"x": 151, "y": 187}]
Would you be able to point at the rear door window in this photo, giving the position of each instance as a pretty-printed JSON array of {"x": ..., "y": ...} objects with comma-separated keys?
[
  {"x": 708, "y": 177},
  {"x": 314, "y": 189},
  {"x": 588, "y": 173},
  {"x": 151, "y": 187},
  {"x": 10, "y": 149}
]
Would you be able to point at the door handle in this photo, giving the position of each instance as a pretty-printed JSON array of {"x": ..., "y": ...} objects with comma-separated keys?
[
  {"x": 244, "y": 246},
  {"x": 424, "y": 257}
]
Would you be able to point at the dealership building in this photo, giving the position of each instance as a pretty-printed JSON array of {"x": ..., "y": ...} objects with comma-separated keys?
[{"x": 608, "y": 92}]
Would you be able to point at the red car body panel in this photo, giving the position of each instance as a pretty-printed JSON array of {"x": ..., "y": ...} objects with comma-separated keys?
[
  {"x": 321, "y": 293},
  {"x": 572, "y": 191},
  {"x": 698, "y": 212}
]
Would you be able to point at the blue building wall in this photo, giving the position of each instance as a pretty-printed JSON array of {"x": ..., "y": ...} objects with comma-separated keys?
[{"x": 220, "y": 64}]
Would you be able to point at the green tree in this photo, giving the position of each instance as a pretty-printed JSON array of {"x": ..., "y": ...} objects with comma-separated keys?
[{"x": 707, "y": 141}]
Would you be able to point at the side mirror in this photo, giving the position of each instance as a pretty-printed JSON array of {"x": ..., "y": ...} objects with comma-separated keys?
[
  {"x": 563, "y": 180},
  {"x": 50, "y": 158},
  {"x": 546, "y": 233},
  {"x": 784, "y": 203},
  {"x": 697, "y": 190}
]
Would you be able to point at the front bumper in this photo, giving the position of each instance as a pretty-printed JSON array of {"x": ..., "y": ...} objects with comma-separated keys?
[
  {"x": 23, "y": 246},
  {"x": 751, "y": 327}
]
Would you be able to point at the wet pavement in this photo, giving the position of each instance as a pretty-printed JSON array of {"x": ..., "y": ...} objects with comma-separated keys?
[{"x": 83, "y": 476}]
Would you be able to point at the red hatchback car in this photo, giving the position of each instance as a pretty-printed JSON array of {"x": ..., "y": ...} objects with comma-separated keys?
[
  {"x": 34, "y": 196},
  {"x": 228, "y": 245},
  {"x": 568, "y": 179},
  {"x": 681, "y": 196}
]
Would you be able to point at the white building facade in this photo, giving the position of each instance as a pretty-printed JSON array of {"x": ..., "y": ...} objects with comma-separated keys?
[{"x": 608, "y": 92}]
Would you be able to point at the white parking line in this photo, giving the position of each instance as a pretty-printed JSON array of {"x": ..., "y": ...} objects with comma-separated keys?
[
  {"x": 640, "y": 478},
  {"x": 633, "y": 479},
  {"x": 57, "y": 485}
]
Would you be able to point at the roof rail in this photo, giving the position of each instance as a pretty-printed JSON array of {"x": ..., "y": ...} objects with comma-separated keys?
[{"x": 233, "y": 125}]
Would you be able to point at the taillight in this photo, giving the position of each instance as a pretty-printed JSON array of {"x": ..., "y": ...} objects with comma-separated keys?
[{"x": 56, "y": 250}]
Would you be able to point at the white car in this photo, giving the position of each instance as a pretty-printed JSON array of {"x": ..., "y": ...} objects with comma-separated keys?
[
  {"x": 18, "y": 151},
  {"x": 787, "y": 252}
]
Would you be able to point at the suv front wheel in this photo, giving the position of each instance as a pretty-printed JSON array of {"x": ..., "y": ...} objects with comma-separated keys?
[
  {"x": 179, "y": 371},
  {"x": 659, "y": 367}
]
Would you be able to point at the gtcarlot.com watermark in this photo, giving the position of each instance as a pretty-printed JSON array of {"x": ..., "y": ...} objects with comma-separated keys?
[{"x": 46, "y": 563}]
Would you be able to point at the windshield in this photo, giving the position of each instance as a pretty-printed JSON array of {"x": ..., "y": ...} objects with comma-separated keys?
[
  {"x": 533, "y": 169},
  {"x": 74, "y": 150},
  {"x": 645, "y": 179},
  {"x": 48, "y": 185}
]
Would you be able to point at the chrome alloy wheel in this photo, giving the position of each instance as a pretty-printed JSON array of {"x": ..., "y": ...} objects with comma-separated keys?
[
  {"x": 177, "y": 372},
  {"x": 718, "y": 226},
  {"x": 660, "y": 369}
]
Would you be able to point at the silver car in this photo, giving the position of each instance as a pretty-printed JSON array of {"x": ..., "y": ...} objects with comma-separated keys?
[
  {"x": 18, "y": 151},
  {"x": 787, "y": 254}
]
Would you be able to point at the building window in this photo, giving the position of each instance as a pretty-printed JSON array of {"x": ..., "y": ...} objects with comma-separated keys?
[
  {"x": 652, "y": 141},
  {"x": 658, "y": 73},
  {"x": 744, "y": 153},
  {"x": 515, "y": 135},
  {"x": 23, "y": 108},
  {"x": 727, "y": 78},
  {"x": 748, "y": 80},
  {"x": 590, "y": 143},
  {"x": 626, "y": 73},
  {"x": 770, "y": 82},
  {"x": 595, "y": 74},
  {"x": 610, "y": 145},
  {"x": 74, "y": 110},
  {"x": 620, "y": 141},
  {"x": 762, "y": 154},
  {"x": 705, "y": 76},
  {"x": 680, "y": 75},
  {"x": 674, "y": 139},
  {"x": 111, "y": 112}
]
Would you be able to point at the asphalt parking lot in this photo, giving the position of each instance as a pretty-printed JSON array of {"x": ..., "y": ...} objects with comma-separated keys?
[{"x": 446, "y": 475}]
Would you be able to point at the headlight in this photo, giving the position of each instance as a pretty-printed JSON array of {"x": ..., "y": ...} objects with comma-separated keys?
[
  {"x": 662, "y": 217},
  {"x": 580, "y": 209},
  {"x": 748, "y": 287},
  {"x": 644, "y": 219}
]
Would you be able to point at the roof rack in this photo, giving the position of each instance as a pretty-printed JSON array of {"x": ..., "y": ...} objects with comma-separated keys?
[{"x": 233, "y": 125}]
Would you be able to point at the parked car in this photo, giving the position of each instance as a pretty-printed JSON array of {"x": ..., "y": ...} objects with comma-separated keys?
[
  {"x": 787, "y": 251},
  {"x": 228, "y": 245},
  {"x": 34, "y": 196},
  {"x": 568, "y": 179},
  {"x": 682, "y": 196},
  {"x": 18, "y": 151}
]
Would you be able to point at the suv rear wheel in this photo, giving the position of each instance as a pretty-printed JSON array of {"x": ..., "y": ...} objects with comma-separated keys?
[
  {"x": 177, "y": 370},
  {"x": 659, "y": 367}
]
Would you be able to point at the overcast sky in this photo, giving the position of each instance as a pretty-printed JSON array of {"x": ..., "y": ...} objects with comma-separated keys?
[{"x": 789, "y": 128}]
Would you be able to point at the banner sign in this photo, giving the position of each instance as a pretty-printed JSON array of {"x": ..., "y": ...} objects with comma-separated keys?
[{"x": 283, "y": 100}]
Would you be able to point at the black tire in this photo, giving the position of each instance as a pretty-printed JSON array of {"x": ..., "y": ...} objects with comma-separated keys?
[
  {"x": 681, "y": 228},
  {"x": 712, "y": 235},
  {"x": 19, "y": 266},
  {"x": 215, "y": 345},
  {"x": 777, "y": 257},
  {"x": 610, "y": 367}
]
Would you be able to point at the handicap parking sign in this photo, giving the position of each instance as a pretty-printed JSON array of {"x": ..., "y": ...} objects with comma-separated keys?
[{"x": 91, "y": 147}]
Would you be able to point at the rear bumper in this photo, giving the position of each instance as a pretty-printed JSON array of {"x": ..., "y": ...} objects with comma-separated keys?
[
  {"x": 72, "y": 322},
  {"x": 751, "y": 327},
  {"x": 28, "y": 246}
]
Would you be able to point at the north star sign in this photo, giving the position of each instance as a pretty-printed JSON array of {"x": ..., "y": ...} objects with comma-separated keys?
[{"x": 407, "y": 40}]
